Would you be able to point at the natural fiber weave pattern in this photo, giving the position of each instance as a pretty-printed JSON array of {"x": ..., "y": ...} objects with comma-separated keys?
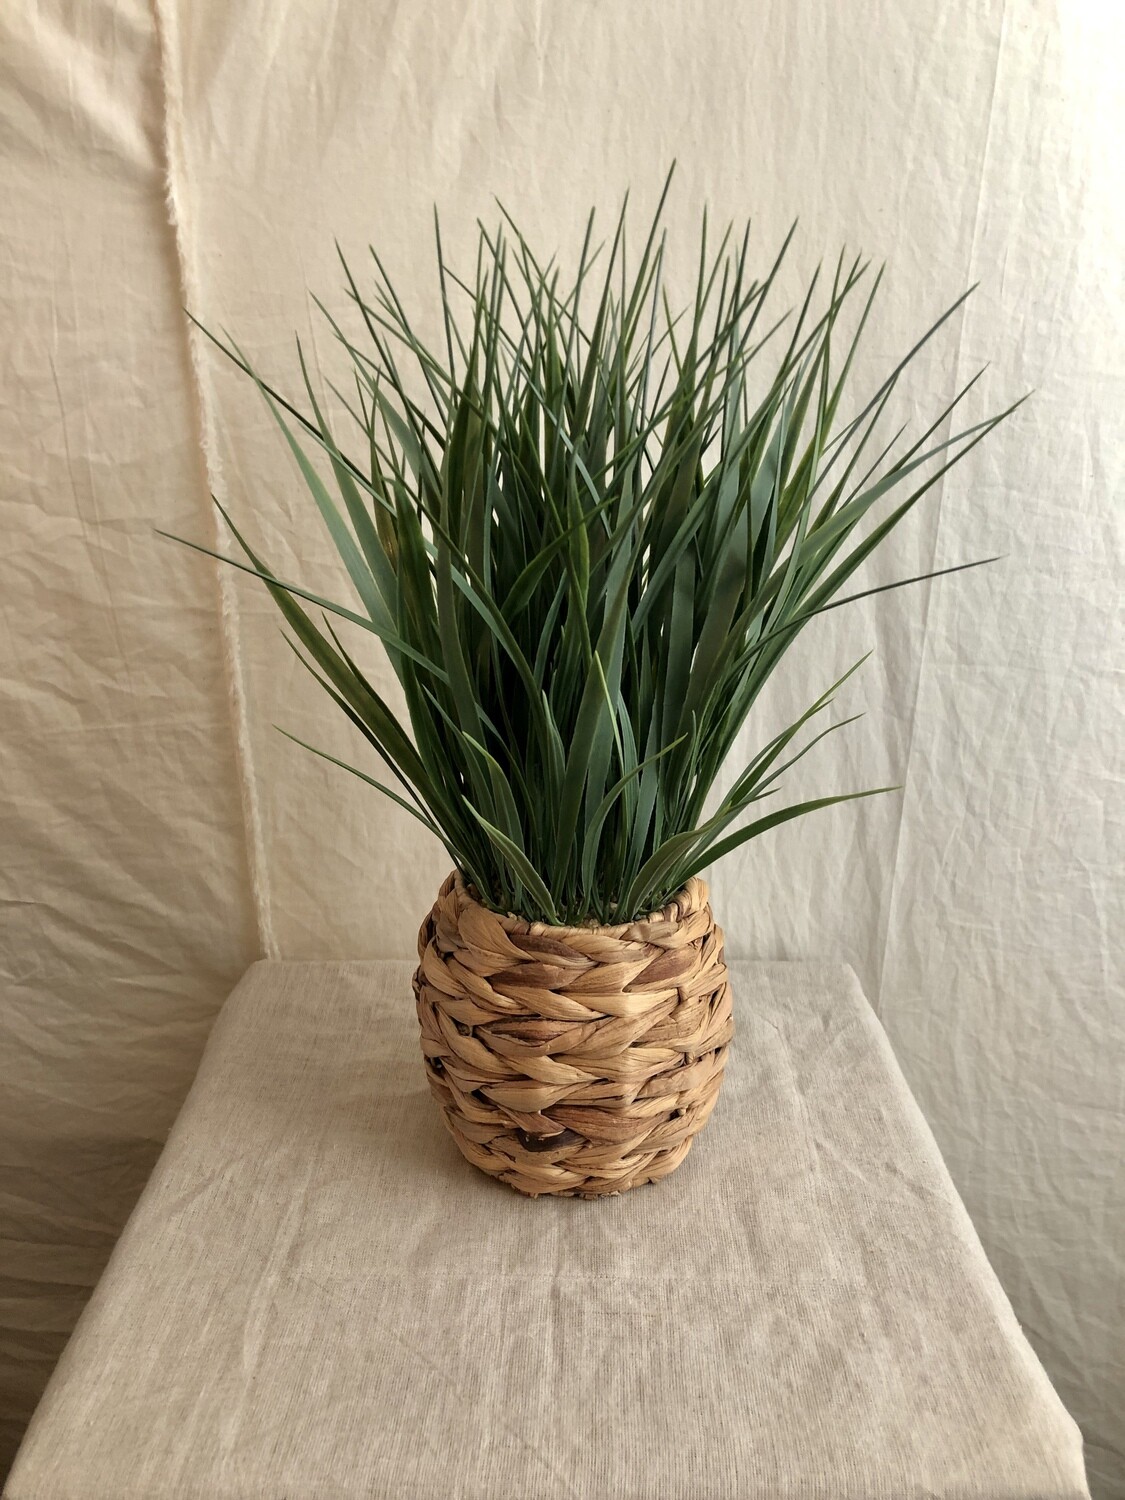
[{"x": 573, "y": 1060}]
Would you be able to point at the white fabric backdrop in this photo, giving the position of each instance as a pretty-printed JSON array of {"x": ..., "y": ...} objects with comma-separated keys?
[{"x": 158, "y": 834}]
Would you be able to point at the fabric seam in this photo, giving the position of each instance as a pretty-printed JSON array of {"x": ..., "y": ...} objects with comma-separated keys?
[
  {"x": 203, "y": 405},
  {"x": 877, "y": 1003}
]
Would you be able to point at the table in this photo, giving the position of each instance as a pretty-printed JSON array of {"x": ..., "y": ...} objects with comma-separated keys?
[{"x": 317, "y": 1299}]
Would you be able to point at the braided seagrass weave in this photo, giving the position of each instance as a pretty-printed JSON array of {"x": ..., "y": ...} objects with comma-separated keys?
[{"x": 573, "y": 1060}]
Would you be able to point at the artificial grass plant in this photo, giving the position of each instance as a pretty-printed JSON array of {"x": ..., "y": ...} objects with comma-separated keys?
[{"x": 586, "y": 529}]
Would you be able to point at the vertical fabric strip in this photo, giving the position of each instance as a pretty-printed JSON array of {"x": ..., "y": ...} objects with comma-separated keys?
[
  {"x": 892, "y": 900},
  {"x": 175, "y": 176}
]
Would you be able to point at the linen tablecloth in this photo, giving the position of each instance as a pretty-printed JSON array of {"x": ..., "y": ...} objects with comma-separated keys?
[{"x": 317, "y": 1299}]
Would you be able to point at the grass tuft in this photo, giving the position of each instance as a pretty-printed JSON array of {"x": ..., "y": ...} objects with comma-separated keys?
[{"x": 586, "y": 530}]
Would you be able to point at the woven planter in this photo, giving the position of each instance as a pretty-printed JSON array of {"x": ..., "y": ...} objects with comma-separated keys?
[{"x": 573, "y": 1060}]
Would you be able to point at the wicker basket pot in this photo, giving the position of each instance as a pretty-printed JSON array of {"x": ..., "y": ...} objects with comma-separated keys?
[{"x": 573, "y": 1060}]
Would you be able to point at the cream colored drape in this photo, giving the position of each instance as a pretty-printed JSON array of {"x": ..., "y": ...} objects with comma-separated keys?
[{"x": 157, "y": 834}]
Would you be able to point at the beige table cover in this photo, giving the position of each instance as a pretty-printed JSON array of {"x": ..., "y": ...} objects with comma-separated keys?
[{"x": 316, "y": 1299}]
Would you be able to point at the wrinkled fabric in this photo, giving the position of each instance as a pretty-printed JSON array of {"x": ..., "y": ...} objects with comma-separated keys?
[
  {"x": 125, "y": 910},
  {"x": 317, "y": 1294},
  {"x": 158, "y": 833}
]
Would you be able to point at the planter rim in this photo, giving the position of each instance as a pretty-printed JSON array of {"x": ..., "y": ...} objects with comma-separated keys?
[{"x": 690, "y": 898}]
